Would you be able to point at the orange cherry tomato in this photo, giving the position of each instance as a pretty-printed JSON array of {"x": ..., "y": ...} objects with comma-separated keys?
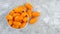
[
  {"x": 18, "y": 18},
  {"x": 29, "y": 12},
  {"x": 9, "y": 17},
  {"x": 28, "y": 6},
  {"x": 22, "y": 25},
  {"x": 15, "y": 26},
  {"x": 16, "y": 23},
  {"x": 33, "y": 20},
  {"x": 10, "y": 22},
  {"x": 35, "y": 14}
]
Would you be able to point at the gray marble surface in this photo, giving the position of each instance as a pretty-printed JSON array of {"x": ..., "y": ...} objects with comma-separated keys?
[{"x": 48, "y": 22}]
